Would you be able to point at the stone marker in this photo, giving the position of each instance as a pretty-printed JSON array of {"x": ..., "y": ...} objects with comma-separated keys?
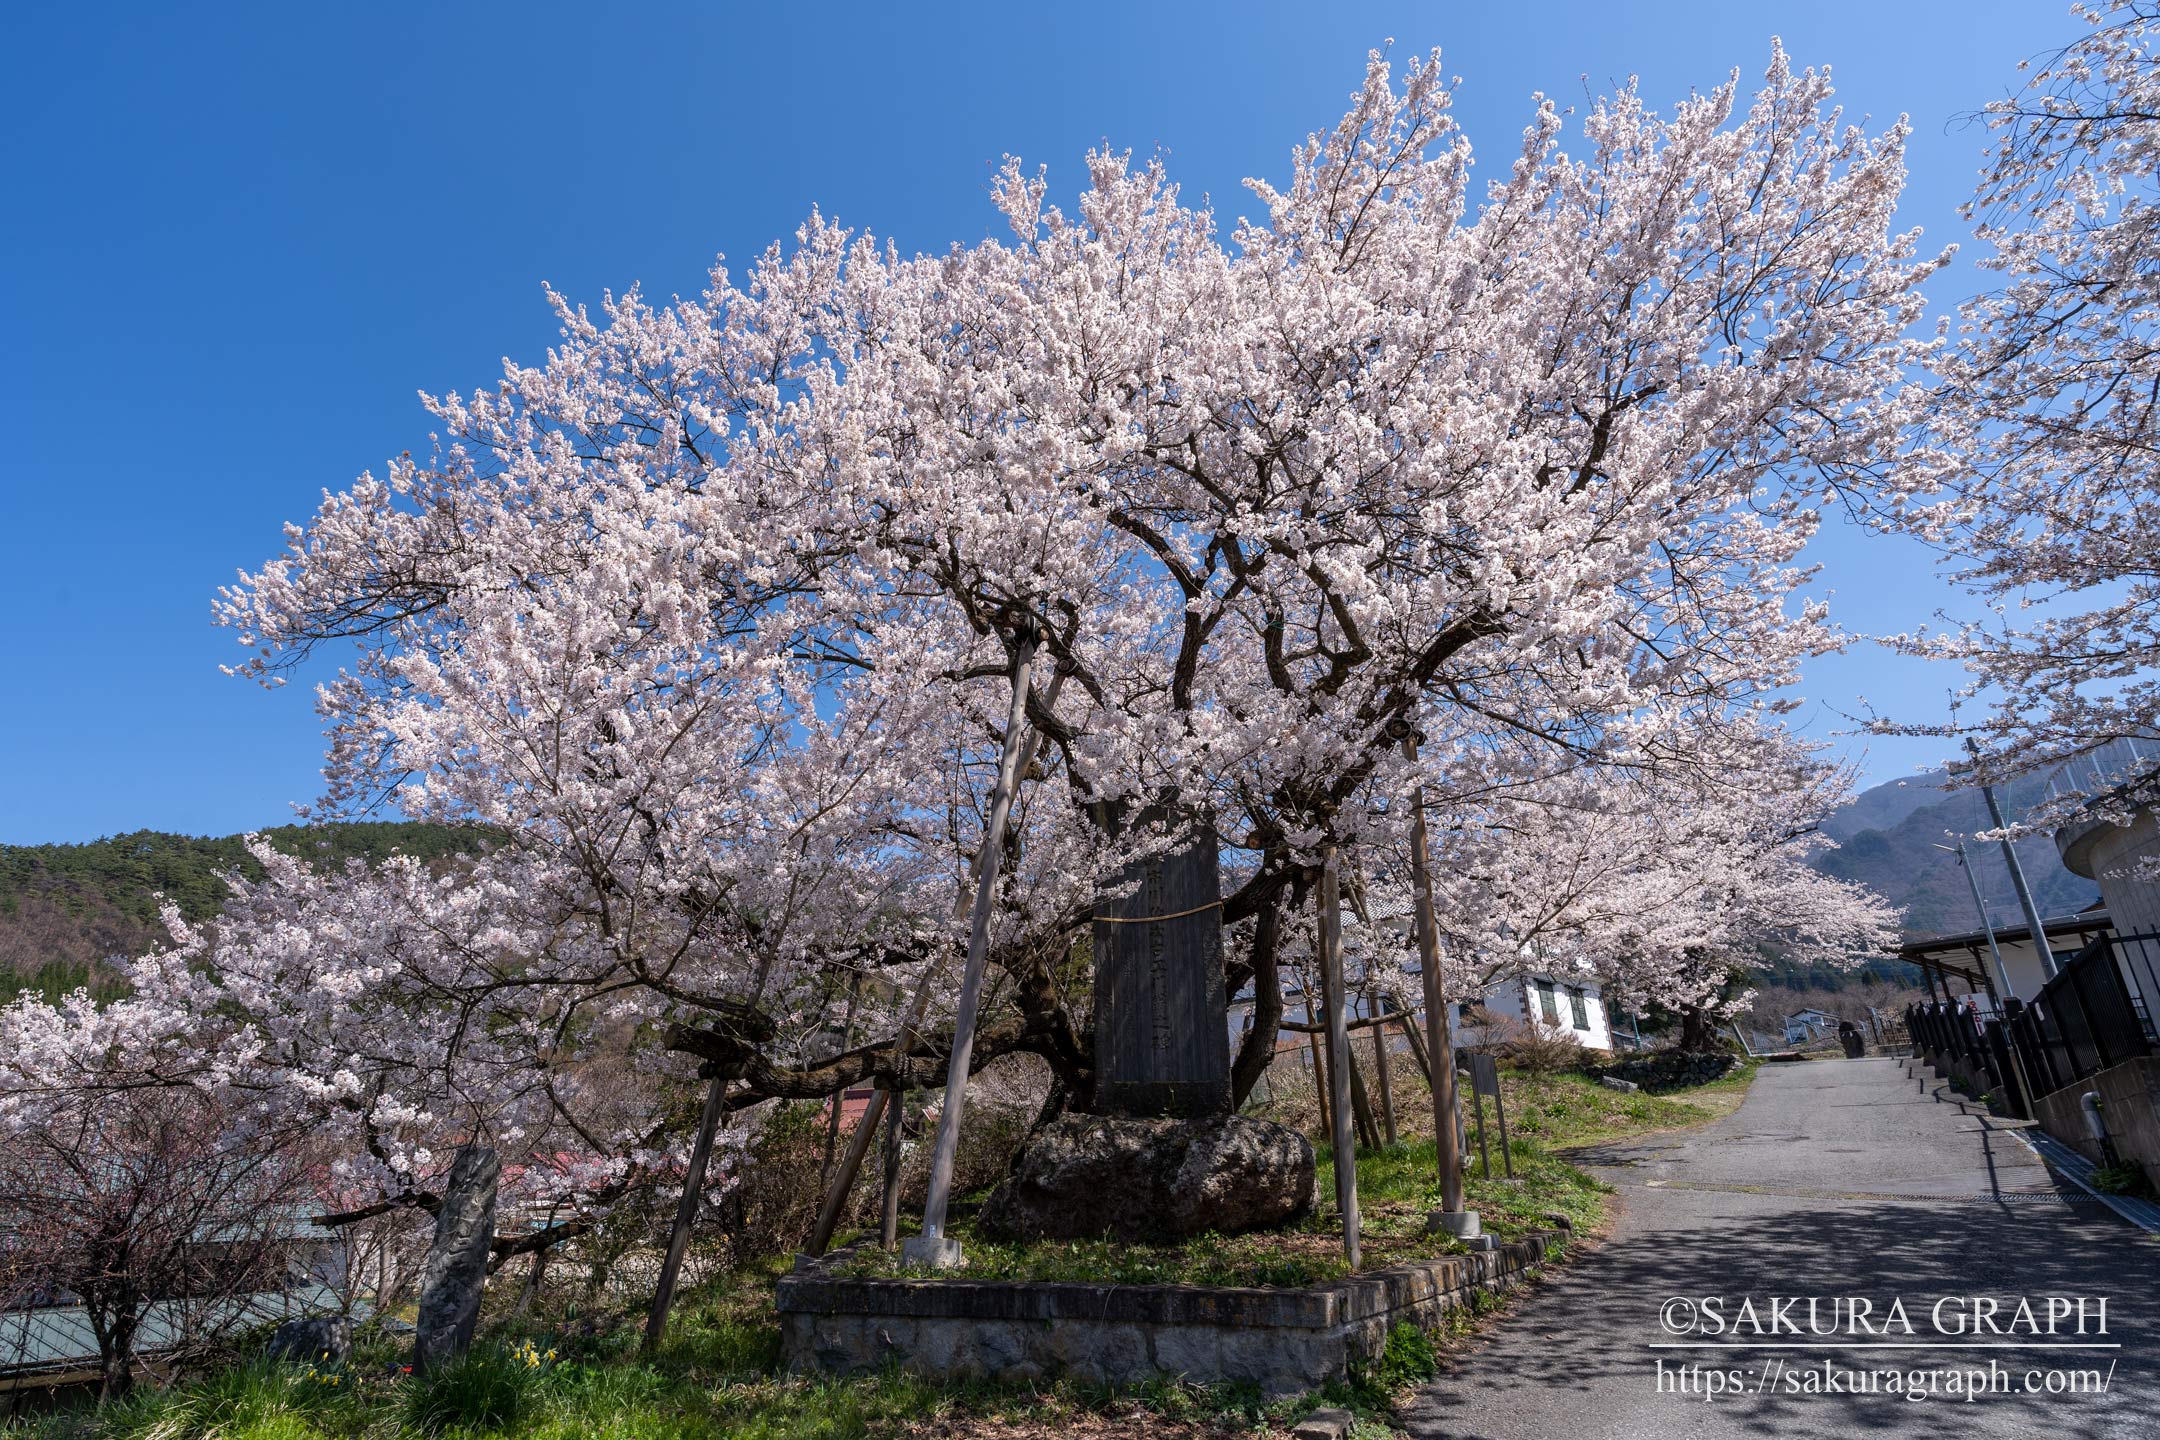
[
  {"x": 316, "y": 1339},
  {"x": 456, "y": 1270},
  {"x": 1324, "y": 1425},
  {"x": 1162, "y": 1042}
]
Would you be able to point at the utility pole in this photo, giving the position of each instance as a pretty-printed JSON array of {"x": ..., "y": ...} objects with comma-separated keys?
[
  {"x": 2017, "y": 877},
  {"x": 2002, "y": 971},
  {"x": 1987, "y": 927}
]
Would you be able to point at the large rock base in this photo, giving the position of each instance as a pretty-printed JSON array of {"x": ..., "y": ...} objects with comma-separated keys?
[{"x": 1087, "y": 1177}]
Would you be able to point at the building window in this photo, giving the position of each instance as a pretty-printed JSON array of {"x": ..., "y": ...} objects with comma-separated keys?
[
  {"x": 1575, "y": 1003},
  {"x": 1549, "y": 1002}
]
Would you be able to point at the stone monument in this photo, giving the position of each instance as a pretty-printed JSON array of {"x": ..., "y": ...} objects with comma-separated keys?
[
  {"x": 456, "y": 1271},
  {"x": 1162, "y": 1157},
  {"x": 1162, "y": 1039}
]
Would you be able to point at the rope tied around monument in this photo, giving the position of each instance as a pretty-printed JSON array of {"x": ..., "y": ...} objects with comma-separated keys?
[{"x": 1153, "y": 919}]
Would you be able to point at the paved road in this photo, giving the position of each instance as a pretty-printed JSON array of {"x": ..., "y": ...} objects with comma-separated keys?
[{"x": 1835, "y": 1179}]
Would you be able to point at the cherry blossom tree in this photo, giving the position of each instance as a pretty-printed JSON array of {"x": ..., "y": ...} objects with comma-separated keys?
[
  {"x": 1657, "y": 890},
  {"x": 155, "y": 1198},
  {"x": 707, "y": 625},
  {"x": 2049, "y": 413}
]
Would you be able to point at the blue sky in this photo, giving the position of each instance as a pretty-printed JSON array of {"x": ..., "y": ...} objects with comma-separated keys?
[{"x": 236, "y": 240}]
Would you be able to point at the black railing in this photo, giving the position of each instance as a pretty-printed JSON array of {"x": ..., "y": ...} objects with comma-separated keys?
[
  {"x": 2094, "y": 1014},
  {"x": 1975, "y": 1046}
]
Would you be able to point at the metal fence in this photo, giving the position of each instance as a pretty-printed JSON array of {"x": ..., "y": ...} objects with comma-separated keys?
[
  {"x": 1973, "y": 1045},
  {"x": 2095, "y": 1013}
]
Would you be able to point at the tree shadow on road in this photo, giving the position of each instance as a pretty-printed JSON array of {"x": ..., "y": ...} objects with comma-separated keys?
[{"x": 1580, "y": 1341}]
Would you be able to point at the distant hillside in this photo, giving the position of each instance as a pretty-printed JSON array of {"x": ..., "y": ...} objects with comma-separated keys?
[
  {"x": 68, "y": 910},
  {"x": 1886, "y": 841}
]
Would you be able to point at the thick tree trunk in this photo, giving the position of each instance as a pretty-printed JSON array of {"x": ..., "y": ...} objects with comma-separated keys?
[
  {"x": 115, "y": 1331},
  {"x": 1258, "y": 1050}
]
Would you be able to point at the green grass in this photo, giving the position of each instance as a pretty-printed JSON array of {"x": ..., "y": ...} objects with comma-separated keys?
[{"x": 1398, "y": 1185}]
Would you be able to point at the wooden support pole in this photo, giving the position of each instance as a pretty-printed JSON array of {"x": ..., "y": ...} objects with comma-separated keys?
[
  {"x": 1331, "y": 988},
  {"x": 889, "y": 1194},
  {"x": 1319, "y": 1081},
  {"x": 1417, "y": 1047},
  {"x": 836, "y": 1192},
  {"x": 1361, "y": 1111},
  {"x": 839, "y": 1100},
  {"x": 945, "y": 1151},
  {"x": 1439, "y": 1032},
  {"x": 1387, "y": 1084},
  {"x": 686, "y": 1209}
]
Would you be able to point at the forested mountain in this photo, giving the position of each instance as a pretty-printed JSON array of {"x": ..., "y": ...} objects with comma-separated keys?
[
  {"x": 1887, "y": 838},
  {"x": 66, "y": 911}
]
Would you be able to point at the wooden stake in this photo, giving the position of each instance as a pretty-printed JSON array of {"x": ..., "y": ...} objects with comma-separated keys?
[
  {"x": 1319, "y": 1067},
  {"x": 839, "y": 1099},
  {"x": 1361, "y": 1111},
  {"x": 889, "y": 1197},
  {"x": 850, "y": 1166}
]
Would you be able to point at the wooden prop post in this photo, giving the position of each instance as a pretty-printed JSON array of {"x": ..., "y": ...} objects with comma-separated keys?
[
  {"x": 887, "y": 1101},
  {"x": 1484, "y": 1080},
  {"x": 1331, "y": 989},
  {"x": 1380, "y": 1064},
  {"x": 836, "y": 1192},
  {"x": 1319, "y": 1073},
  {"x": 686, "y": 1209},
  {"x": 1499, "y": 1109},
  {"x": 932, "y": 1247},
  {"x": 1439, "y": 1030},
  {"x": 889, "y": 1192}
]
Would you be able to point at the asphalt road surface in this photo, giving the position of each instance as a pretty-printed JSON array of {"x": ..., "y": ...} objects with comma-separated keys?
[{"x": 1835, "y": 1180}]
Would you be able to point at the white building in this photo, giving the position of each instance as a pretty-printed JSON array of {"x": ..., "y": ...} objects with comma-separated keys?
[
  {"x": 1555, "y": 1006},
  {"x": 1803, "y": 1026}
]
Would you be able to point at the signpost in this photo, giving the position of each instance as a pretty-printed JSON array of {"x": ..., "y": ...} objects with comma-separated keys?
[{"x": 1485, "y": 1080}]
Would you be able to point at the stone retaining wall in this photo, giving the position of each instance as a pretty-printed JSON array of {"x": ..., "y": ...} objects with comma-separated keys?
[
  {"x": 2129, "y": 1102},
  {"x": 1663, "y": 1070},
  {"x": 1285, "y": 1341}
]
